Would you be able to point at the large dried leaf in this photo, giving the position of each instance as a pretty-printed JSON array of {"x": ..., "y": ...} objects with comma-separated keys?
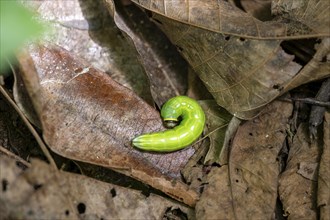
[
  {"x": 88, "y": 117},
  {"x": 246, "y": 188},
  {"x": 243, "y": 75},
  {"x": 41, "y": 192},
  {"x": 294, "y": 18}
]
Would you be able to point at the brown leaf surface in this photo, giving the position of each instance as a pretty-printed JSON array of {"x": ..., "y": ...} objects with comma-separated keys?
[
  {"x": 86, "y": 29},
  {"x": 323, "y": 191},
  {"x": 41, "y": 192},
  {"x": 243, "y": 75},
  {"x": 302, "y": 18},
  {"x": 298, "y": 193},
  {"x": 247, "y": 187},
  {"x": 196, "y": 88},
  {"x": 294, "y": 19},
  {"x": 165, "y": 68},
  {"x": 88, "y": 117},
  {"x": 216, "y": 198}
]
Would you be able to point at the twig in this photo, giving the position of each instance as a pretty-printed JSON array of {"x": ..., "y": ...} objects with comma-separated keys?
[
  {"x": 30, "y": 127},
  {"x": 317, "y": 112},
  {"x": 311, "y": 101},
  {"x": 11, "y": 154}
]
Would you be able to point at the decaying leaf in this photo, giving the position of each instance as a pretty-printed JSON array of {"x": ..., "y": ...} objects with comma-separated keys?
[
  {"x": 298, "y": 193},
  {"x": 323, "y": 191},
  {"x": 243, "y": 75},
  {"x": 41, "y": 192},
  {"x": 246, "y": 188},
  {"x": 88, "y": 117},
  {"x": 302, "y": 18},
  {"x": 308, "y": 170},
  {"x": 241, "y": 72},
  {"x": 216, "y": 198}
]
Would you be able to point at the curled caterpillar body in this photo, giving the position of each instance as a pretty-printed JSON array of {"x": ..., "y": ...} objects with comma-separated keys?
[{"x": 189, "y": 129}]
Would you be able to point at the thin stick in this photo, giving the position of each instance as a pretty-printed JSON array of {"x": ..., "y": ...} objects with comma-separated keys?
[
  {"x": 30, "y": 127},
  {"x": 311, "y": 101},
  {"x": 11, "y": 154}
]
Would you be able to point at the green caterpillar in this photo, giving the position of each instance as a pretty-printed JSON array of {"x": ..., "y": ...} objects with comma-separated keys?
[{"x": 190, "y": 128}]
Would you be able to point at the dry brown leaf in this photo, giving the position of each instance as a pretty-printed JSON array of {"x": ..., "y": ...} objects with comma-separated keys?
[
  {"x": 298, "y": 193},
  {"x": 247, "y": 187},
  {"x": 323, "y": 191},
  {"x": 216, "y": 200},
  {"x": 242, "y": 74},
  {"x": 41, "y": 192},
  {"x": 88, "y": 117},
  {"x": 308, "y": 170},
  {"x": 294, "y": 19}
]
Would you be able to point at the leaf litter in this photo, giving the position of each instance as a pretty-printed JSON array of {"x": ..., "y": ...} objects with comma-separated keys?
[
  {"x": 243, "y": 72},
  {"x": 72, "y": 196}
]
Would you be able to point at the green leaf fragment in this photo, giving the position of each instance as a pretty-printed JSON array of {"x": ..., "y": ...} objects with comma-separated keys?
[{"x": 17, "y": 25}]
